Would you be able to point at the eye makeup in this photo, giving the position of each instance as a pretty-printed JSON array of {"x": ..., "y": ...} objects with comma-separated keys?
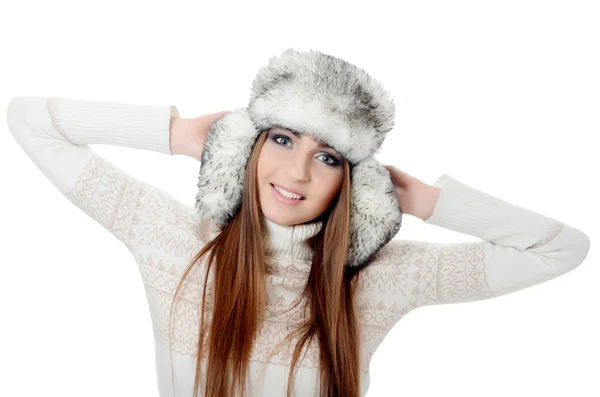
[{"x": 275, "y": 137}]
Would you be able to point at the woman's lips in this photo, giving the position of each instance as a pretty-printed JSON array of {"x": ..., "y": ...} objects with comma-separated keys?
[{"x": 283, "y": 199}]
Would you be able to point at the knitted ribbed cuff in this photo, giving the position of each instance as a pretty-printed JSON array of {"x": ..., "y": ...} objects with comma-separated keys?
[
  {"x": 467, "y": 210},
  {"x": 102, "y": 122}
]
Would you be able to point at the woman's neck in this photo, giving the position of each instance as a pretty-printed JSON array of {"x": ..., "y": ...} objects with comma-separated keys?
[{"x": 289, "y": 242}]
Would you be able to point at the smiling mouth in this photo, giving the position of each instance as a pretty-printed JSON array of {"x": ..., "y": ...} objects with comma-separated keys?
[{"x": 297, "y": 199}]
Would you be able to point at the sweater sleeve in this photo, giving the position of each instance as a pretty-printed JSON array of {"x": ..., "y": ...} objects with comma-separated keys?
[
  {"x": 56, "y": 132},
  {"x": 520, "y": 248}
]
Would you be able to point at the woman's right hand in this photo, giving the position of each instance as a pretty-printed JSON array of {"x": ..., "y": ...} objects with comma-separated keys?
[{"x": 189, "y": 135}]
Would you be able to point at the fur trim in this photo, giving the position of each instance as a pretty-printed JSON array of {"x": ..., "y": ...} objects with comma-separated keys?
[
  {"x": 222, "y": 167},
  {"x": 325, "y": 97},
  {"x": 375, "y": 213}
]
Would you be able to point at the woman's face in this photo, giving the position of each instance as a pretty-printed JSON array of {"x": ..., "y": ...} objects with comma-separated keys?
[{"x": 297, "y": 162}]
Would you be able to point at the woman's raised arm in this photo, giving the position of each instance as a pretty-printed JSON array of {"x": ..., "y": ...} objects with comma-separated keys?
[
  {"x": 519, "y": 249},
  {"x": 55, "y": 134}
]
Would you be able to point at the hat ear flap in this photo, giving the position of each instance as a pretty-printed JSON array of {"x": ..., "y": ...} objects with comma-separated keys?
[
  {"x": 376, "y": 216},
  {"x": 222, "y": 167}
]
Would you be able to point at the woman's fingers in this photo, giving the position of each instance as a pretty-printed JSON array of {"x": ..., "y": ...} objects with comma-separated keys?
[{"x": 399, "y": 178}]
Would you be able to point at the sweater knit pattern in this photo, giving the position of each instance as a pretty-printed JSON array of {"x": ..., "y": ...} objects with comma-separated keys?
[{"x": 519, "y": 248}]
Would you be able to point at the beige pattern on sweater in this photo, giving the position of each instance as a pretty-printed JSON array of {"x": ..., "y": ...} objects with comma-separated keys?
[
  {"x": 167, "y": 237},
  {"x": 519, "y": 248}
]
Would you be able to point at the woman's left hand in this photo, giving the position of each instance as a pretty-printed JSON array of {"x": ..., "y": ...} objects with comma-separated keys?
[{"x": 415, "y": 197}]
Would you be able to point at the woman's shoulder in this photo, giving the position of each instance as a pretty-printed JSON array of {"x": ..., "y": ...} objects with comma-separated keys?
[{"x": 169, "y": 223}]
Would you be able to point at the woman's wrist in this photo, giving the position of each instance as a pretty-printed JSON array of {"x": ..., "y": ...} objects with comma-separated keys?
[
  {"x": 428, "y": 198},
  {"x": 178, "y": 136}
]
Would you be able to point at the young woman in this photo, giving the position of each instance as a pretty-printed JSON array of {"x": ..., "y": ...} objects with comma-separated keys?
[{"x": 284, "y": 279}]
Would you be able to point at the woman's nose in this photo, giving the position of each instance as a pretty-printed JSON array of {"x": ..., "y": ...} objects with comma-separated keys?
[{"x": 299, "y": 168}]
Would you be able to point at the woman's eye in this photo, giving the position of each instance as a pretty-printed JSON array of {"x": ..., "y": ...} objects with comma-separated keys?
[
  {"x": 280, "y": 137},
  {"x": 333, "y": 161}
]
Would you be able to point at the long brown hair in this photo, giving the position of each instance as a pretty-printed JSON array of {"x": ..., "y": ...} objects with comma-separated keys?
[{"x": 239, "y": 300}]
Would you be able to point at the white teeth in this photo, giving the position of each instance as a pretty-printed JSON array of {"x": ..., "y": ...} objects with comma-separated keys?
[{"x": 287, "y": 194}]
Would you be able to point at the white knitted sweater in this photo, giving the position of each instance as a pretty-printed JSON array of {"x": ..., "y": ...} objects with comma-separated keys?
[{"x": 519, "y": 247}]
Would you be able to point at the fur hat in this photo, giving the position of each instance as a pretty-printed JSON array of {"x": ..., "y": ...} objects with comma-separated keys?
[{"x": 330, "y": 100}]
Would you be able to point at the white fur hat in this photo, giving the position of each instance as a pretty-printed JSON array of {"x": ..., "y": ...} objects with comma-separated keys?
[{"x": 330, "y": 100}]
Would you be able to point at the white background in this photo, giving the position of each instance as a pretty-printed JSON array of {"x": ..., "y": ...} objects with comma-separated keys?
[{"x": 503, "y": 96}]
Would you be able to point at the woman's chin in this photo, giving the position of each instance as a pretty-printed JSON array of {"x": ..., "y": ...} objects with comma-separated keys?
[{"x": 285, "y": 219}]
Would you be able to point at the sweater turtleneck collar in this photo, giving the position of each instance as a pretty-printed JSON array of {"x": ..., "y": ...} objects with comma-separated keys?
[
  {"x": 289, "y": 242},
  {"x": 288, "y": 255}
]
